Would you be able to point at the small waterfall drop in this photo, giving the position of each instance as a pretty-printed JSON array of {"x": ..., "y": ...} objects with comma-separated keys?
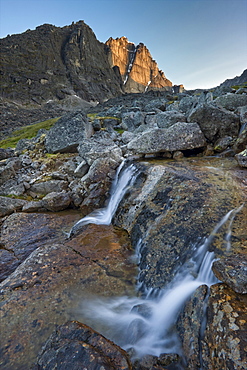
[
  {"x": 125, "y": 177},
  {"x": 146, "y": 325}
]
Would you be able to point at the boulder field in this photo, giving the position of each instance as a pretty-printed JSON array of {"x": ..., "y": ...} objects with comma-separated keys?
[{"x": 190, "y": 151}]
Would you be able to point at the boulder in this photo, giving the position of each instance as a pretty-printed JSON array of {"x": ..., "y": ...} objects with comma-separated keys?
[
  {"x": 189, "y": 326},
  {"x": 232, "y": 270},
  {"x": 180, "y": 136},
  {"x": 9, "y": 205},
  {"x": 48, "y": 288},
  {"x": 167, "y": 119},
  {"x": 99, "y": 147},
  {"x": 132, "y": 120},
  {"x": 224, "y": 344},
  {"x": 242, "y": 158},
  {"x": 77, "y": 346},
  {"x": 67, "y": 133},
  {"x": 56, "y": 201},
  {"x": 231, "y": 101},
  {"x": 49, "y": 186},
  {"x": 215, "y": 122}
]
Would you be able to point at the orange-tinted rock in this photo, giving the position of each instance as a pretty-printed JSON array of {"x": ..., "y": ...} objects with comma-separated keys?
[{"x": 138, "y": 69}]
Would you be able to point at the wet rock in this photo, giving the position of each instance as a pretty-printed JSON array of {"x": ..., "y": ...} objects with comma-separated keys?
[
  {"x": 9, "y": 205},
  {"x": 231, "y": 101},
  {"x": 75, "y": 345},
  {"x": 190, "y": 326},
  {"x": 22, "y": 233},
  {"x": 172, "y": 207},
  {"x": 180, "y": 136},
  {"x": 232, "y": 270},
  {"x": 148, "y": 362},
  {"x": 224, "y": 344},
  {"x": 49, "y": 287},
  {"x": 242, "y": 158},
  {"x": 56, "y": 201},
  {"x": 97, "y": 183},
  {"x": 67, "y": 133},
  {"x": 215, "y": 122}
]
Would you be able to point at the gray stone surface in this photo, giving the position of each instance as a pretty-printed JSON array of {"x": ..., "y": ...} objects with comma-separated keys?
[
  {"x": 67, "y": 133},
  {"x": 180, "y": 136}
]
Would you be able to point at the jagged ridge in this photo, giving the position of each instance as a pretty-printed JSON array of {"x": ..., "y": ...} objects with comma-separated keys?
[{"x": 138, "y": 70}]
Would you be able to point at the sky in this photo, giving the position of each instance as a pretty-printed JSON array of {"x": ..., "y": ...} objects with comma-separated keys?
[{"x": 197, "y": 43}]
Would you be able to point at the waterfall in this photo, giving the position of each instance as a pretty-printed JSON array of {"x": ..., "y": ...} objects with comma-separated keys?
[
  {"x": 146, "y": 325},
  {"x": 125, "y": 177}
]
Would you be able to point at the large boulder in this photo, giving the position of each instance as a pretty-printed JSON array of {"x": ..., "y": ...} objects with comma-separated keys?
[
  {"x": 224, "y": 345},
  {"x": 166, "y": 119},
  {"x": 232, "y": 270},
  {"x": 48, "y": 288},
  {"x": 77, "y": 346},
  {"x": 99, "y": 147},
  {"x": 215, "y": 122},
  {"x": 49, "y": 186},
  {"x": 56, "y": 201},
  {"x": 132, "y": 120},
  {"x": 180, "y": 136},
  {"x": 67, "y": 133},
  {"x": 231, "y": 101}
]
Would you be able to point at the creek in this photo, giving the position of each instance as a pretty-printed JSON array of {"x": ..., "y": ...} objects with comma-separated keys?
[{"x": 146, "y": 324}]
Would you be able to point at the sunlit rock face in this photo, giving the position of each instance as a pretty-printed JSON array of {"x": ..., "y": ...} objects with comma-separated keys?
[{"x": 138, "y": 70}]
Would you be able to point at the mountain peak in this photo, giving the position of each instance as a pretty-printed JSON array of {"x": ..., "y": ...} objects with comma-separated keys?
[{"x": 138, "y": 70}]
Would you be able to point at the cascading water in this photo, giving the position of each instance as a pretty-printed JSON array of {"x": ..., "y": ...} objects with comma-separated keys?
[
  {"x": 124, "y": 179},
  {"x": 147, "y": 324}
]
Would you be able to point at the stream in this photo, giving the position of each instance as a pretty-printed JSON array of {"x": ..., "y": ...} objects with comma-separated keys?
[{"x": 145, "y": 324}]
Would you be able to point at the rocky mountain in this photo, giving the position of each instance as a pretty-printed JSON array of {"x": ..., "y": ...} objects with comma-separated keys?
[
  {"x": 52, "y": 63},
  {"x": 51, "y": 70},
  {"x": 138, "y": 70},
  {"x": 238, "y": 80}
]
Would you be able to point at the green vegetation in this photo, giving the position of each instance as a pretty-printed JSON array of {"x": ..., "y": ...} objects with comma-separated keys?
[
  {"x": 93, "y": 116},
  {"x": 26, "y": 132},
  {"x": 236, "y": 87}
]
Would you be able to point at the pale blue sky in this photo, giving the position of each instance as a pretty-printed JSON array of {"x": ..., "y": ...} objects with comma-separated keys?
[{"x": 198, "y": 43}]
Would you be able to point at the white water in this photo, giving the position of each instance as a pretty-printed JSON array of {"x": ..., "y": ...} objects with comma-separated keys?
[
  {"x": 123, "y": 181},
  {"x": 146, "y": 325}
]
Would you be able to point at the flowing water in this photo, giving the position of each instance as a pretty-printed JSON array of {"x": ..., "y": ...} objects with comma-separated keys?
[
  {"x": 125, "y": 177},
  {"x": 147, "y": 324}
]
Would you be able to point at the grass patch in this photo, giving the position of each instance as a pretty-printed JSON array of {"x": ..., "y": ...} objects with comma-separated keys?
[
  {"x": 26, "y": 132},
  {"x": 93, "y": 116},
  {"x": 236, "y": 87}
]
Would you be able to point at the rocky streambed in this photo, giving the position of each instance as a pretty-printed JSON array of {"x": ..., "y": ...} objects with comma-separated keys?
[
  {"x": 192, "y": 179},
  {"x": 172, "y": 207}
]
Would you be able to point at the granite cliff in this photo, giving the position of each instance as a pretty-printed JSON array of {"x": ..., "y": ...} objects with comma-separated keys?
[{"x": 138, "y": 70}]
